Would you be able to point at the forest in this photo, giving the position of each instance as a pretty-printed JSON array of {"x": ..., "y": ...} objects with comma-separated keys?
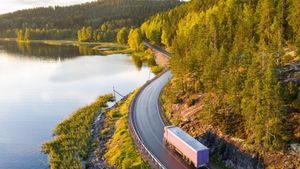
[
  {"x": 64, "y": 22},
  {"x": 234, "y": 53}
]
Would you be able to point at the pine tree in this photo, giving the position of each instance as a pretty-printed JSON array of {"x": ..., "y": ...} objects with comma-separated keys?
[
  {"x": 245, "y": 30},
  {"x": 277, "y": 35},
  {"x": 294, "y": 21},
  {"x": 265, "y": 14},
  {"x": 251, "y": 102},
  {"x": 273, "y": 107}
]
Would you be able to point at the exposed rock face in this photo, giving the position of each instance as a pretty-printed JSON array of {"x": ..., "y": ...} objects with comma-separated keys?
[{"x": 228, "y": 153}]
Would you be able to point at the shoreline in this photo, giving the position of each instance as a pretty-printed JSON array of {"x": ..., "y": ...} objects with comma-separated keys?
[{"x": 105, "y": 48}]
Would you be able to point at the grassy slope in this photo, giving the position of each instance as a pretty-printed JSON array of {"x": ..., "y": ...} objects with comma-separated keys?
[
  {"x": 121, "y": 151},
  {"x": 73, "y": 136}
]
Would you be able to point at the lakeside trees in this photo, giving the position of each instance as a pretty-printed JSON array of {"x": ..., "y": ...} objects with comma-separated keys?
[
  {"x": 135, "y": 39},
  {"x": 230, "y": 52},
  {"x": 122, "y": 35},
  {"x": 43, "y": 34},
  {"x": 85, "y": 34}
]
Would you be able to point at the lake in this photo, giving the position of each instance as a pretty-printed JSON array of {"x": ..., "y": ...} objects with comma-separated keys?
[{"x": 41, "y": 84}]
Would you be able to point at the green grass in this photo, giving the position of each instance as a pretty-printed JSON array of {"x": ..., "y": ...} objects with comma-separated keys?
[
  {"x": 121, "y": 151},
  {"x": 73, "y": 137}
]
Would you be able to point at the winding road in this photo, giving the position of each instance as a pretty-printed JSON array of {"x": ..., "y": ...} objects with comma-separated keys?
[
  {"x": 147, "y": 121},
  {"x": 149, "y": 125}
]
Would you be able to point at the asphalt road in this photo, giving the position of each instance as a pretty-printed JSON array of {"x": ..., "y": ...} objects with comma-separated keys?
[
  {"x": 157, "y": 48},
  {"x": 149, "y": 124}
]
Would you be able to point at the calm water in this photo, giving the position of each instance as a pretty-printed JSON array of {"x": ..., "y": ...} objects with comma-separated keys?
[{"x": 42, "y": 84}]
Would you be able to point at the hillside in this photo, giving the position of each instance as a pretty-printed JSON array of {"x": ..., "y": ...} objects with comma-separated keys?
[
  {"x": 65, "y": 21},
  {"x": 235, "y": 74}
]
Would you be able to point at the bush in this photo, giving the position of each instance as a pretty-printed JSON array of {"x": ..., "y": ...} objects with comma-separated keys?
[{"x": 156, "y": 69}]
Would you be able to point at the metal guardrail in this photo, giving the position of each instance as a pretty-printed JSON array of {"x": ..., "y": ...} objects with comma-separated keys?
[{"x": 146, "y": 153}]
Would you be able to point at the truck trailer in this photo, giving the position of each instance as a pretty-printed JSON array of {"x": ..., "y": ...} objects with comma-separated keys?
[{"x": 191, "y": 149}]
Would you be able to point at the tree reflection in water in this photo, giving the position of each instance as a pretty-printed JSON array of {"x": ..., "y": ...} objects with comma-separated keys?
[{"x": 42, "y": 51}]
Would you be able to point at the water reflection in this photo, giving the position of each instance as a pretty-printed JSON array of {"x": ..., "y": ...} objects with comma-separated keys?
[
  {"x": 35, "y": 95},
  {"x": 86, "y": 50},
  {"x": 137, "y": 61},
  {"x": 46, "y": 52}
]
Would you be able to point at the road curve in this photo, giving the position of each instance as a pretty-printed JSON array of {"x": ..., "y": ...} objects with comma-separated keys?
[{"x": 149, "y": 125}]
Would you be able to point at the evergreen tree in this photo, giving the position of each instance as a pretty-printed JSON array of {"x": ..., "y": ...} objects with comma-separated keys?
[
  {"x": 272, "y": 106},
  {"x": 251, "y": 103},
  {"x": 245, "y": 29},
  {"x": 294, "y": 21},
  {"x": 265, "y": 15}
]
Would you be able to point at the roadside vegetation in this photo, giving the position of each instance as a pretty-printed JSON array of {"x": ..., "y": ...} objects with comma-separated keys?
[
  {"x": 140, "y": 53},
  {"x": 72, "y": 137},
  {"x": 121, "y": 151}
]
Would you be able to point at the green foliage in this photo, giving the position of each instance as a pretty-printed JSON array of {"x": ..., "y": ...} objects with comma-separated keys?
[
  {"x": 85, "y": 34},
  {"x": 264, "y": 12},
  {"x": 122, "y": 35},
  {"x": 118, "y": 13},
  {"x": 156, "y": 69},
  {"x": 152, "y": 29},
  {"x": 293, "y": 20},
  {"x": 43, "y": 34},
  {"x": 73, "y": 136},
  {"x": 121, "y": 151},
  {"x": 228, "y": 51},
  {"x": 135, "y": 40}
]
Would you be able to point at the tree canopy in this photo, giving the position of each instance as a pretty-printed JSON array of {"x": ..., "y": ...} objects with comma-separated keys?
[
  {"x": 230, "y": 51},
  {"x": 93, "y": 14}
]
